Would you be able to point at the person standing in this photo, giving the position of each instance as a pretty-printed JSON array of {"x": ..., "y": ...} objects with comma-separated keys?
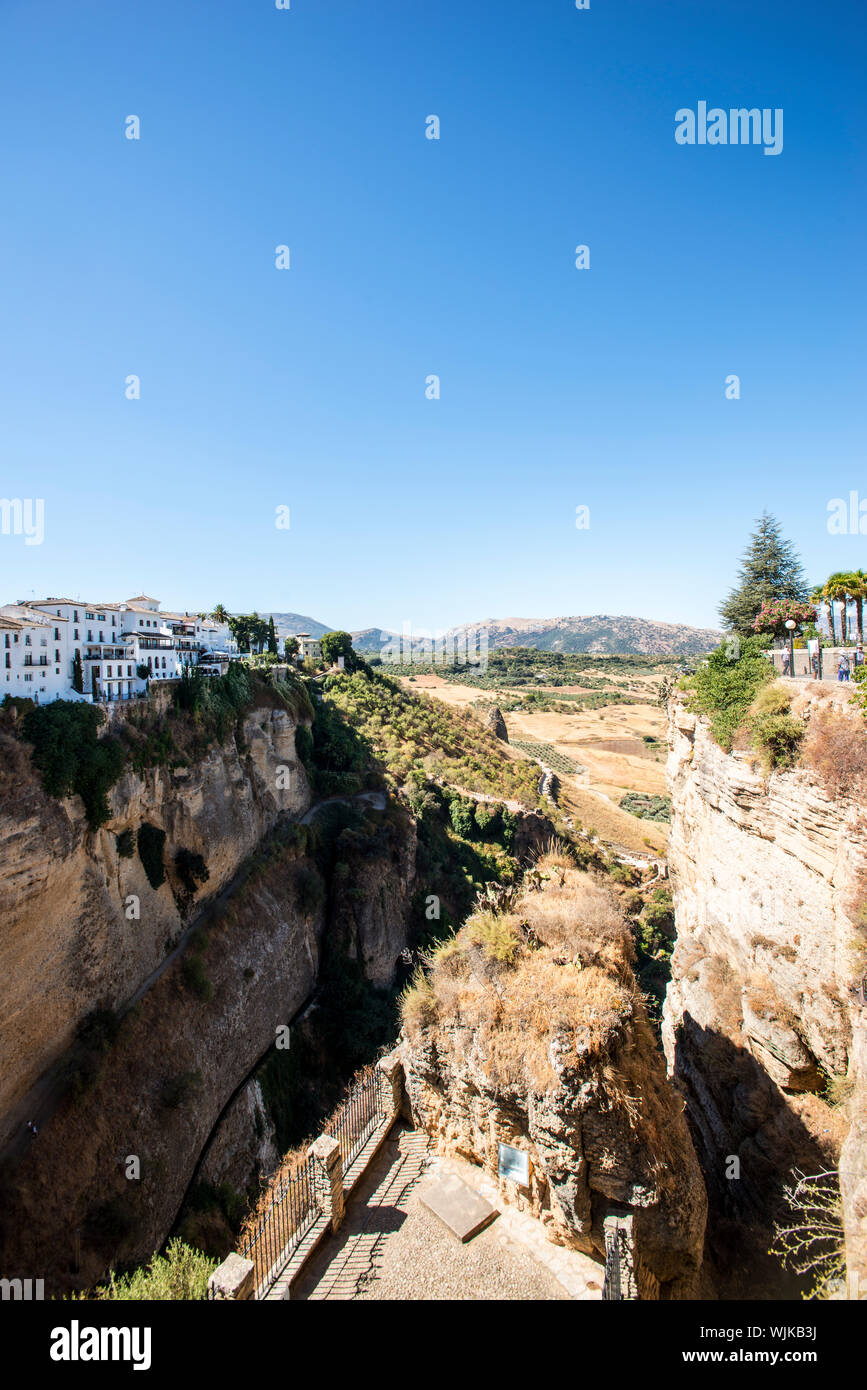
[
  {"x": 843, "y": 668},
  {"x": 786, "y": 661}
]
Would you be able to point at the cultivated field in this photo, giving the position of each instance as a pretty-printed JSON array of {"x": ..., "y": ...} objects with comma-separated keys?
[{"x": 609, "y": 743}]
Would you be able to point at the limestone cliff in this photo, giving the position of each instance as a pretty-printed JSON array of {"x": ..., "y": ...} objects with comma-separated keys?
[
  {"x": 67, "y": 942},
  {"x": 529, "y": 1030},
  {"x": 762, "y": 1007},
  {"x": 105, "y": 1179}
]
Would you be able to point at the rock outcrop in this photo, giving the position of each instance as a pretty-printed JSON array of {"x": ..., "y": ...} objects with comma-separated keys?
[
  {"x": 762, "y": 1007},
  {"x": 544, "y": 1045},
  {"x": 496, "y": 723}
]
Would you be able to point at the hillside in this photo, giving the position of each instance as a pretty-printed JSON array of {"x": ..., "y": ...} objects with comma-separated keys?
[
  {"x": 601, "y": 633},
  {"x": 288, "y": 624}
]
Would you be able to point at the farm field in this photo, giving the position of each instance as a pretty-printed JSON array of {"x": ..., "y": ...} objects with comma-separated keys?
[{"x": 609, "y": 743}]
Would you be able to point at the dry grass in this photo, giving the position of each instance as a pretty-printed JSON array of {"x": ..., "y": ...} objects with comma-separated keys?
[
  {"x": 836, "y": 750},
  {"x": 540, "y": 988}
]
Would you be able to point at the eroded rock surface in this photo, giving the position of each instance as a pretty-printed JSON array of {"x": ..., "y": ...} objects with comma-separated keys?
[{"x": 767, "y": 874}]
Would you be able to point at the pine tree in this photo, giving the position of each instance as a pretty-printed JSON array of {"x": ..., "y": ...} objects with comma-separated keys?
[{"x": 770, "y": 569}]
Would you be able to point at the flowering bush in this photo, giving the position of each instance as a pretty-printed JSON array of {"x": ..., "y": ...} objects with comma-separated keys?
[{"x": 774, "y": 613}]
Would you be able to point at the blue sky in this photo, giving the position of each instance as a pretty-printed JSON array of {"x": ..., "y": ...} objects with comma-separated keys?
[{"x": 306, "y": 388}]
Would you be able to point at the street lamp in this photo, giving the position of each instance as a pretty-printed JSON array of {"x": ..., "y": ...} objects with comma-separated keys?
[{"x": 791, "y": 625}]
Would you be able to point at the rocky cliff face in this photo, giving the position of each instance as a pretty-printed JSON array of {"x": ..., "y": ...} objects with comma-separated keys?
[
  {"x": 170, "y": 1096},
  {"x": 70, "y": 936},
  {"x": 549, "y": 1051},
  {"x": 761, "y": 1007}
]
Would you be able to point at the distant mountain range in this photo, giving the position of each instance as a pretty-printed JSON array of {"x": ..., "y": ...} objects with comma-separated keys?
[
  {"x": 601, "y": 634},
  {"x": 288, "y": 624}
]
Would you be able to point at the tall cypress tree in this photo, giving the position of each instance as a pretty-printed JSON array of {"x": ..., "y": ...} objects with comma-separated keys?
[
  {"x": 770, "y": 569},
  {"x": 272, "y": 636}
]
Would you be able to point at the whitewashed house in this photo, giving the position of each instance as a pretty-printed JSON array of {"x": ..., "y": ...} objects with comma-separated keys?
[
  {"x": 36, "y": 658},
  {"x": 120, "y": 646}
]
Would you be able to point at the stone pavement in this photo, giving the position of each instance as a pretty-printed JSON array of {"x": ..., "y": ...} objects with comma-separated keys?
[{"x": 391, "y": 1247}]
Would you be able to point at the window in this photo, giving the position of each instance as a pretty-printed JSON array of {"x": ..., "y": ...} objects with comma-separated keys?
[
  {"x": 57, "y": 634},
  {"x": 27, "y": 642},
  {"x": 75, "y": 615},
  {"x": 129, "y": 670},
  {"x": 89, "y": 617},
  {"x": 108, "y": 672},
  {"x": 56, "y": 655},
  {"x": 8, "y": 662},
  {"x": 75, "y": 636},
  {"x": 7, "y": 639},
  {"x": 90, "y": 634}
]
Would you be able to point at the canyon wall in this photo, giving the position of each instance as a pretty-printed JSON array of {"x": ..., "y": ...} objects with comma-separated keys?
[
  {"x": 66, "y": 941},
  {"x": 167, "y": 1097},
  {"x": 763, "y": 1007}
]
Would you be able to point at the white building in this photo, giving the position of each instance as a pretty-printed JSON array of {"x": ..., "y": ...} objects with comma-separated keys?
[
  {"x": 119, "y": 646},
  {"x": 308, "y": 647},
  {"x": 36, "y": 660}
]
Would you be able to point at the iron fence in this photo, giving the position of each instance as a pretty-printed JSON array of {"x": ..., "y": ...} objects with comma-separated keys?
[
  {"x": 355, "y": 1120},
  {"x": 293, "y": 1208},
  {"x": 299, "y": 1198}
]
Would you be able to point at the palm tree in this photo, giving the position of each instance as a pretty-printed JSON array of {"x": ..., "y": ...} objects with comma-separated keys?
[
  {"x": 219, "y": 614},
  {"x": 858, "y": 592},
  {"x": 819, "y": 596},
  {"x": 838, "y": 590}
]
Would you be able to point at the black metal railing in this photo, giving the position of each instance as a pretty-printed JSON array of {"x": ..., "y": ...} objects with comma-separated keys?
[
  {"x": 298, "y": 1199},
  {"x": 294, "y": 1207},
  {"x": 353, "y": 1123}
]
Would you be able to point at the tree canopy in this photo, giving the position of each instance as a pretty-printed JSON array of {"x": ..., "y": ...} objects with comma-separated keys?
[
  {"x": 337, "y": 644},
  {"x": 770, "y": 569}
]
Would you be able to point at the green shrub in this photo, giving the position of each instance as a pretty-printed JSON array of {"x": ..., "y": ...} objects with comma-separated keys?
[
  {"x": 646, "y": 807},
  {"x": 71, "y": 757},
  {"x": 304, "y": 747},
  {"x": 725, "y": 685},
  {"x": 778, "y": 738},
  {"x": 182, "y": 1273},
  {"x": 774, "y": 732},
  {"x": 462, "y": 815},
  {"x": 151, "y": 841}
]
